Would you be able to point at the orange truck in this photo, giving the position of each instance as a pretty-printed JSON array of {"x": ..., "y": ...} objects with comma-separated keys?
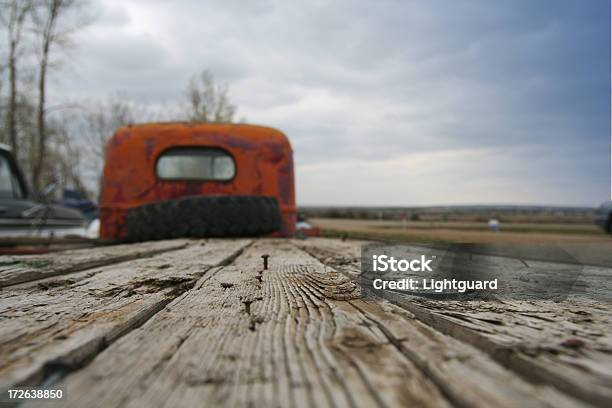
[{"x": 169, "y": 180}]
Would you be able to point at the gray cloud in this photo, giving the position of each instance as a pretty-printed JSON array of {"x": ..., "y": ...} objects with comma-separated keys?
[{"x": 375, "y": 85}]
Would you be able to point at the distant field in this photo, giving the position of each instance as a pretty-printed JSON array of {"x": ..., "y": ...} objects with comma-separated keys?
[
  {"x": 467, "y": 232},
  {"x": 527, "y": 214}
]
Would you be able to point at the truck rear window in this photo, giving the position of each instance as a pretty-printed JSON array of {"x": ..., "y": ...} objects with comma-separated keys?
[{"x": 195, "y": 163}]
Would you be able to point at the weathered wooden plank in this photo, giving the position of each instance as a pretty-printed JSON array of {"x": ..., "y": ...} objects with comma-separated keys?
[
  {"x": 567, "y": 344},
  {"x": 60, "y": 323},
  {"x": 462, "y": 372},
  {"x": 592, "y": 282},
  {"x": 238, "y": 341},
  {"x": 19, "y": 269},
  {"x": 247, "y": 337}
]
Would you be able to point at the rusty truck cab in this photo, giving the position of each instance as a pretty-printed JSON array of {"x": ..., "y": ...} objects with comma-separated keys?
[{"x": 152, "y": 163}]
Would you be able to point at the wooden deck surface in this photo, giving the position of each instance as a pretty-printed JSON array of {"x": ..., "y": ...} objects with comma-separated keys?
[{"x": 201, "y": 323}]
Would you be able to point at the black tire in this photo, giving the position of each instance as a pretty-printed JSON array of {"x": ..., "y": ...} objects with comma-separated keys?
[{"x": 204, "y": 217}]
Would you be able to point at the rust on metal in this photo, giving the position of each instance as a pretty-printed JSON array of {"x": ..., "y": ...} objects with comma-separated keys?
[
  {"x": 265, "y": 261},
  {"x": 263, "y": 158}
]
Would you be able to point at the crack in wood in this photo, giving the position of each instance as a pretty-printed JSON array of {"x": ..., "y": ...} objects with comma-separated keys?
[
  {"x": 73, "y": 340},
  {"x": 503, "y": 338}
]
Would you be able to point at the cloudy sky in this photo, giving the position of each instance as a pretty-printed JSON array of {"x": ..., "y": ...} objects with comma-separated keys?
[{"x": 409, "y": 102}]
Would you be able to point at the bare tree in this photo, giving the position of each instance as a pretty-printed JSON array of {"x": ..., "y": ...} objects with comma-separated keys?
[
  {"x": 208, "y": 101},
  {"x": 66, "y": 155},
  {"x": 101, "y": 121},
  {"x": 54, "y": 30},
  {"x": 14, "y": 20}
]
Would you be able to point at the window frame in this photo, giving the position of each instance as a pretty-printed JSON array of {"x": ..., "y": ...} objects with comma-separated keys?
[
  {"x": 17, "y": 179},
  {"x": 194, "y": 179}
]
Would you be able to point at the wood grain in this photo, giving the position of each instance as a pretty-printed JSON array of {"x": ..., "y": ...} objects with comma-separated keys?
[
  {"x": 567, "y": 344},
  {"x": 19, "y": 269},
  {"x": 59, "y": 324},
  {"x": 244, "y": 336}
]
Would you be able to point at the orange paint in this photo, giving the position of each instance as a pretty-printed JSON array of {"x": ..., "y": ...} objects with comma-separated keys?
[{"x": 263, "y": 158}]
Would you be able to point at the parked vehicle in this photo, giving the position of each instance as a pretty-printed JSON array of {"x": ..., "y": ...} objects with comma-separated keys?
[
  {"x": 197, "y": 180},
  {"x": 305, "y": 228},
  {"x": 603, "y": 216},
  {"x": 74, "y": 199},
  {"x": 21, "y": 215}
]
